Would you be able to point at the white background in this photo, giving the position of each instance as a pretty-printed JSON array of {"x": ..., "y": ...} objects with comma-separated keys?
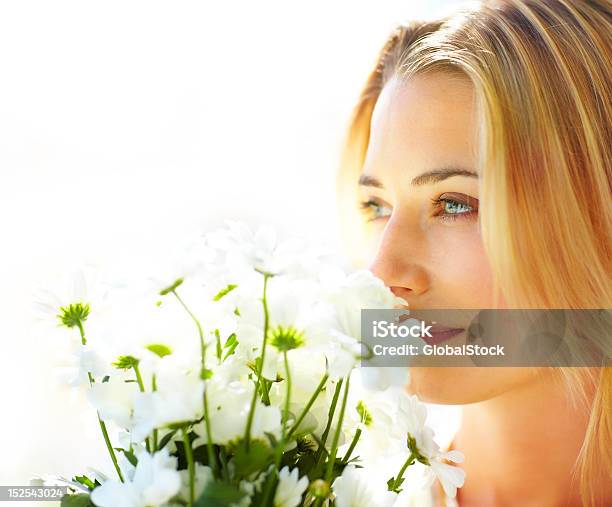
[{"x": 125, "y": 125}]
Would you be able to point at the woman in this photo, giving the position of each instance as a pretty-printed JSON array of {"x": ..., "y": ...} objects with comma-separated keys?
[{"x": 480, "y": 157}]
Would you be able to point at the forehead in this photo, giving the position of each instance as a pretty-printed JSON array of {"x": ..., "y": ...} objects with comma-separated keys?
[{"x": 425, "y": 122}]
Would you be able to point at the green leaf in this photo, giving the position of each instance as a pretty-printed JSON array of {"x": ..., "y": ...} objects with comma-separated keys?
[
  {"x": 230, "y": 344},
  {"x": 219, "y": 494},
  {"x": 257, "y": 457},
  {"x": 159, "y": 349},
  {"x": 85, "y": 481},
  {"x": 231, "y": 341},
  {"x": 218, "y": 341},
  {"x": 306, "y": 465},
  {"x": 80, "y": 500},
  {"x": 200, "y": 454},
  {"x": 165, "y": 439},
  {"x": 131, "y": 457},
  {"x": 224, "y": 292},
  {"x": 271, "y": 438},
  {"x": 206, "y": 374},
  {"x": 105, "y": 378}
]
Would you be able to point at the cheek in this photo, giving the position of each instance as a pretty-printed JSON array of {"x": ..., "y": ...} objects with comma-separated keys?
[
  {"x": 460, "y": 271},
  {"x": 460, "y": 386}
]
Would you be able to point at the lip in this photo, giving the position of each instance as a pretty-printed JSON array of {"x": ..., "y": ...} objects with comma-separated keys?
[{"x": 441, "y": 334}]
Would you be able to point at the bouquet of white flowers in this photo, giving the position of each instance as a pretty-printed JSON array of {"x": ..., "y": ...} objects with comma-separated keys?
[{"x": 235, "y": 384}]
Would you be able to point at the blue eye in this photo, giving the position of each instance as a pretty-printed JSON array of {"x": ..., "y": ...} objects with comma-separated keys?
[
  {"x": 374, "y": 209},
  {"x": 454, "y": 205}
]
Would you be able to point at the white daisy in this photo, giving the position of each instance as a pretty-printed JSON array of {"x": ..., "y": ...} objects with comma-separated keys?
[{"x": 290, "y": 488}]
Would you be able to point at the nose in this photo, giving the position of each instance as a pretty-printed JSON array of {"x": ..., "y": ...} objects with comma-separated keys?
[{"x": 400, "y": 262}]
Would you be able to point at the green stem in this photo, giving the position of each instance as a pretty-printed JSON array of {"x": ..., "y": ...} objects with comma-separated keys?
[
  {"x": 155, "y": 432},
  {"x": 281, "y": 444},
  {"x": 247, "y": 432},
  {"x": 265, "y": 391},
  {"x": 288, "y": 398},
  {"x": 330, "y": 417},
  {"x": 139, "y": 378},
  {"x": 209, "y": 444},
  {"x": 212, "y": 460},
  {"x": 107, "y": 441},
  {"x": 398, "y": 480},
  {"x": 223, "y": 459},
  {"x": 111, "y": 451},
  {"x": 308, "y": 406},
  {"x": 190, "y": 466},
  {"x": 82, "y": 332},
  {"x": 198, "y": 325},
  {"x": 142, "y": 390},
  {"x": 352, "y": 446},
  {"x": 334, "y": 449}
]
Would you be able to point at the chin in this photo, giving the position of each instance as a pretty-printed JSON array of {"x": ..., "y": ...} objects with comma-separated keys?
[{"x": 465, "y": 385}]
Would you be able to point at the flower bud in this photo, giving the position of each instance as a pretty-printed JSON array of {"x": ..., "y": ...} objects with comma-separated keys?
[{"x": 319, "y": 489}]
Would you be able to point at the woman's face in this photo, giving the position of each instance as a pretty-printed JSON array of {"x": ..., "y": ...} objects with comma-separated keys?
[{"x": 419, "y": 193}]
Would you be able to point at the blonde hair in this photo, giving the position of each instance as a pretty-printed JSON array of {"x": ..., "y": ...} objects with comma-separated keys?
[{"x": 541, "y": 71}]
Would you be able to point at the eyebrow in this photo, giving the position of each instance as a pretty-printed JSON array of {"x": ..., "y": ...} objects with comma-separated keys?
[{"x": 426, "y": 178}]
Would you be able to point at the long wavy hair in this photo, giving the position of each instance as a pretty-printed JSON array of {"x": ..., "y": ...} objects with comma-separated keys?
[{"x": 541, "y": 70}]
